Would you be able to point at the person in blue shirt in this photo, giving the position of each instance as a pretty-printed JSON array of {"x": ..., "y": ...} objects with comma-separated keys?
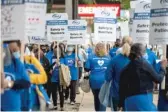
[
  {"x": 136, "y": 81},
  {"x": 113, "y": 73},
  {"x": 16, "y": 72},
  {"x": 97, "y": 65},
  {"x": 55, "y": 83},
  {"x": 70, "y": 61},
  {"x": 89, "y": 50},
  {"x": 50, "y": 53},
  {"x": 113, "y": 51}
]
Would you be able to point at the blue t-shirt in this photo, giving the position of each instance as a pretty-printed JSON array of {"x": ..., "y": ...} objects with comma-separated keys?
[
  {"x": 55, "y": 73},
  {"x": 113, "y": 51},
  {"x": 98, "y": 67},
  {"x": 69, "y": 60},
  {"x": 113, "y": 72},
  {"x": 49, "y": 56},
  {"x": 11, "y": 99}
]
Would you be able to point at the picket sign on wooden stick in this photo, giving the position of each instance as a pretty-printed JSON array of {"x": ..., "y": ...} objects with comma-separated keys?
[
  {"x": 22, "y": 50},
  {"x": 1, "y": 69},
  {"x": 39, "y": 52},
  {"x": 76, "y": 55},
  {"x": 58, "y": 52}
]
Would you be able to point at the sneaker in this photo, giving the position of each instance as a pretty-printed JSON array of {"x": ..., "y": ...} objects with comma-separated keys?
[
  {"x": 54, "y": 108},
  {"x": 72, "y": 103}
]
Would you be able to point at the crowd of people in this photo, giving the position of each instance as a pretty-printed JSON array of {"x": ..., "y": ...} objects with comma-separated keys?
[{"x": 55, "y": 70}]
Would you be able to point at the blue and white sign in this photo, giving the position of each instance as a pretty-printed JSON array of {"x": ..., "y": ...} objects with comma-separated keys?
[
  {"x": 140, "y": 31},
  {"x": 159, "y": 22},
  {"x": 105, "y": 25},
  {"x": 77, "y": 31},
  {"x": 35, "y": 21},
  {"x": 23, "y": 19},
  {"x": 57, "y": 24},
  {"x": 12, "y": 20}
]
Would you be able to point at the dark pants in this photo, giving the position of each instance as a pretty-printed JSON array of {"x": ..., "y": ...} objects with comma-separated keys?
[
  {"x": 57, "y": 88},
  {"x": 72, "y": 89},
  {"x": 115, "y": 103},
  {"x": 97, "y": 104}
]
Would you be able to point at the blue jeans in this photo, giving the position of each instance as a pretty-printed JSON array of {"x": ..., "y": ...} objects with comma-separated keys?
[{"x": 97, "y": 104}]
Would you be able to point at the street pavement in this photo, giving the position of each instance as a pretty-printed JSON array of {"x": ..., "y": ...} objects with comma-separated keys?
[{"x": 85, "y": 102}]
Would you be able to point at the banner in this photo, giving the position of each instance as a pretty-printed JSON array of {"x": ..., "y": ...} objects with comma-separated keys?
[
  {"x": 57, "y": 26},
  {"x": 35, "y": 12},
  {"x": 141, "y": 23},
  {"x": 77, "y": 31},
  {"x": 105, "y": 25},
  {"x": 12, "y": 20},
  {"x": 159, "y": 22}
]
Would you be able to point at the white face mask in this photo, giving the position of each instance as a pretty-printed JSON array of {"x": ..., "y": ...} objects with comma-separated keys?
[
  {"x": 70, "y": 49},
  {"x": 16, "y": 54}
]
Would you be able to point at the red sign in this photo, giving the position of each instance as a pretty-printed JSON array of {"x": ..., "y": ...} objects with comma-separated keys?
[{"x": 88, "y": 10}]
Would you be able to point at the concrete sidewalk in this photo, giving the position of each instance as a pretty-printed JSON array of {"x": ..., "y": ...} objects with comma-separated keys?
[{"x": 87, "y": 103}]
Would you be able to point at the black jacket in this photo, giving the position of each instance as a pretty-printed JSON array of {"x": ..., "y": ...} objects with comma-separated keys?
[{"x": 137, "y": 78}]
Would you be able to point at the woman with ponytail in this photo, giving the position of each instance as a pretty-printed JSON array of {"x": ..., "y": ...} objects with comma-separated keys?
[
  {"x": 136, "y": 81},
  {"x": 97, "y": 64},
  {"x": 114, "y": 69}
]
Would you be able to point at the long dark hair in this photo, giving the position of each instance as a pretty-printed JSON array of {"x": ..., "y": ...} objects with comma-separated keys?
[{"x": 137, "y": 50}]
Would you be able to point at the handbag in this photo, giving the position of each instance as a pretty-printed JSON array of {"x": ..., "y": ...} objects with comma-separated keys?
[
  {"x": 104, "y": 94},
  {"x": 85, "y": 85}
]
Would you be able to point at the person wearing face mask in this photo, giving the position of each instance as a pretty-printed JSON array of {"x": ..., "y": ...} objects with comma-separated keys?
[
  {"x": 136, "y": 81},
  {"x": 4, "y": 82},
  {"x": 55, "y": 79},
  {"x": 15, "y": 71},
  {"x": 70, "y": 60},
  {"x": 50, "y": 53},
  {"x": 112, "y": 51},
  {"x": 97, "y": 64}
]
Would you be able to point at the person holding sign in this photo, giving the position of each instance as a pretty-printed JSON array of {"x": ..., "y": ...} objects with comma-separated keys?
[
  {"x": 70, "y": 60},
  {"x": 97, "y": 64},
  {"x": 136, "y": 81},
  {"x": 14, "y": 71},
  {"x": 55, "y": 82}
]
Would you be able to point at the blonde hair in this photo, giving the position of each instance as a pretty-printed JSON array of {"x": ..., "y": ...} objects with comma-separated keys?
[
  {"x": 126, "y": 47},
  {"x": 100, "y": 49}
]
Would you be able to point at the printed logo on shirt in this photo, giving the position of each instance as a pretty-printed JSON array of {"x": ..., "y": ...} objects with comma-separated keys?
[
  {"x": 70, "y": 62},
  {"x": 100, "y": 62}
]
